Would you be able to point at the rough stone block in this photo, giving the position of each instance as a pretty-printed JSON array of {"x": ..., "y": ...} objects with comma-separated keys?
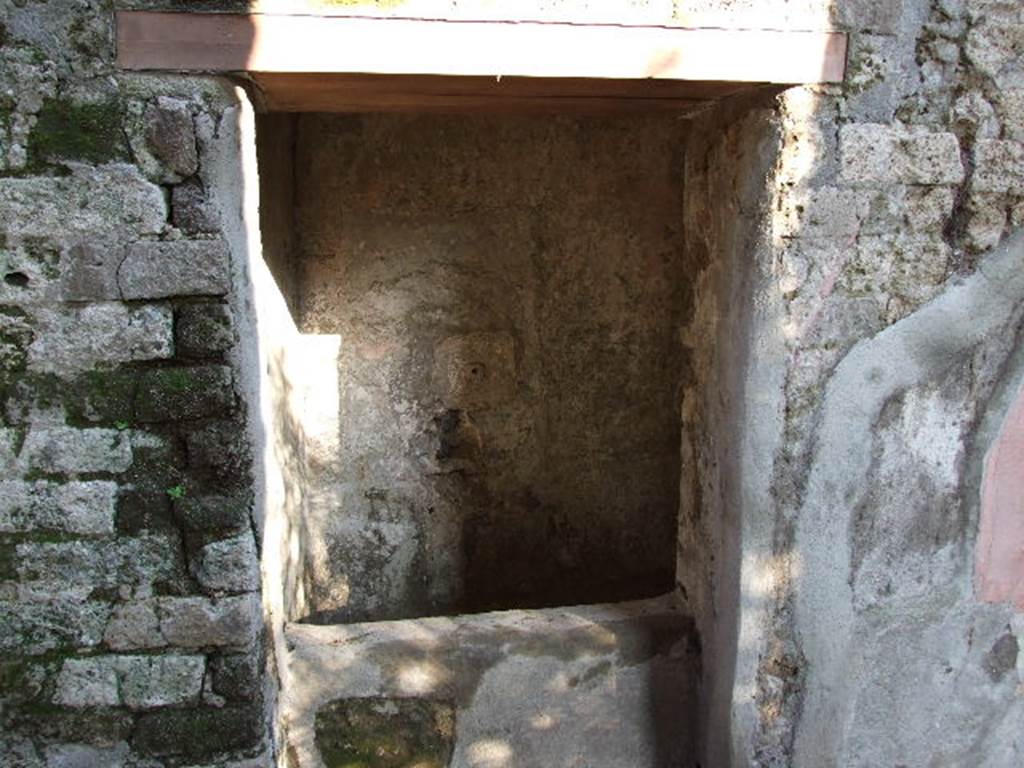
[
  {"x": 930, "y": 158},
  {"x": 141, "y": 561},
  {"x": 927, "y": 210},
  {"x": 108, "y": 202},
  {"x": 148, "y": 682},
  {"x": 87, "y": 756},
  {"x": 191, "y": 211},
  {"x": 985, "y": 223},
  {"x": 176, "y": 394},
  {"x": 145, "y": 509},
  {"x": 866, "y": 152},
  {"x": 998, "y": 167},
  {"x": 87, "y": 683},
  {"x": 194, "y": 622},
  {"x": 91, "y": 272},
  {"x": 222, "y": 451},
  {"x": 60, "y": 622},
  {"x": 171, "y": 139},
  {"x": 78, "y": 338},
  {"x": 70, "y": 450},
  {"x": 134, "y": 626},
  {"x": 237, "y": 677},
  {"x": 228, "y": 565},
  {"x": 174, "y": 732},
  {"x": 825, "y": 213},
  {"x": 154, "y": 270},
  {"x": 215, "y": 513},
  {"x": 138, "y": 682},
  {"x": 74, "y": 507},
  {"x": 1011, "y": 105},
  {"x": 204, "y": 329}
]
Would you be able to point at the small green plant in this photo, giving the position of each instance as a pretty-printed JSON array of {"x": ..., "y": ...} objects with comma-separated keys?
[
  {"x": 121, "y": 424},
  {"x": 176, "y": 492}
]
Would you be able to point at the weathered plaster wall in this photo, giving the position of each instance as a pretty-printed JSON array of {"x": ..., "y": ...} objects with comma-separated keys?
[
  {"x": 508, "y": 294},
  {"x": 877, "y": 363},
  {"x": 130, "y": 624}
]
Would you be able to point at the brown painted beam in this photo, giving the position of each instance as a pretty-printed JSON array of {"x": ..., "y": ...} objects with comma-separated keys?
[
  {"x": 389, "y": 46},
  {"x": 290, "y": 92}
]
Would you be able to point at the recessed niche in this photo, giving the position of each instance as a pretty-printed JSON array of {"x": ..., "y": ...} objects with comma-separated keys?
[{"x": 487, "y": 312}]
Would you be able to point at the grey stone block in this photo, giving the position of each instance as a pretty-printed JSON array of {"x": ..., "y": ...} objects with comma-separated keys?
[
  {"x": 75, "y": 507},
  {"x": 203, "y": 329},
  {"x": 229, "y": 565},
  {"x": 153, "y": 270},
  {"x": 175, "y": 394},
  {"x": 194, "y": 622},
  {"x": 222, "y": 450},
  {"x": 66, "y": 449},
  {"x": 215, "y": 513},
  {"x": 134, "y": 626},
  {"x": 175, "y": 732},
  {"x": 79, "y": 338},
  {"x": 138, "y": 682},
  {"x": 191, "y": 211},
  {"x": 141, "y": 561},
  {"x": 171, "y": 138},
  {"x": 60, "y": 622}
]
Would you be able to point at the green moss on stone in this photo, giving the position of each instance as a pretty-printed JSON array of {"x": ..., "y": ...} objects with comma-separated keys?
[
  {"x": 385, "y": 733},
  {"x": 66, "y": 130}
]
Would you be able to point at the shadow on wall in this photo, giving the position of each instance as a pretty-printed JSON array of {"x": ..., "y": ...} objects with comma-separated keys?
[{"x": 489, "y": 369}]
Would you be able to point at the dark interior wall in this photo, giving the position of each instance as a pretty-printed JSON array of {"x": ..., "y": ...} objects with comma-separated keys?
[{"x": 508, "y": 294}]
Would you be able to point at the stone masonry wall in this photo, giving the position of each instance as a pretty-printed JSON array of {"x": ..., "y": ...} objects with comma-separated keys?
[
  {"x": 875, "y": 298},
  {"x": 130, "y": 616}
]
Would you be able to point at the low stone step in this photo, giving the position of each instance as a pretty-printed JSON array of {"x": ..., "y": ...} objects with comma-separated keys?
[{"x": 594, "y": 686}]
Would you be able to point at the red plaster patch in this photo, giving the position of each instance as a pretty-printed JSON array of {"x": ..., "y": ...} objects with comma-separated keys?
[{"x": 999, "y": 557}]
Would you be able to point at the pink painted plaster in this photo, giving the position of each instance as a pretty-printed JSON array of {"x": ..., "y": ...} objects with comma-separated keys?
[{"x": 999, "y": 557}]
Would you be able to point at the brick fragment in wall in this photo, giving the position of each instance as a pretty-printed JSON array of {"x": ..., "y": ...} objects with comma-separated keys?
[
  {"x": 71, "y": 450},
  {"x": 173, "y": 732},
  {"x": 176, "y": 394},
  {"x": 141, "y": 561},
  {"x": 69, "y": 339},
  {"x": 163, "y": 140},
  {"x": 137, "y": 682},
  {"x": 191, "y": 211},
  {"x": 74, "y": 507},
  {"x": 34, "y": 627},
  {"x": 106, "y": 203},
  {"x": 203, "y": 329},
  {"x": 228, "y": 565},
  {"x": 998, "y": 167},
  {"x": 154, "y": 270}
]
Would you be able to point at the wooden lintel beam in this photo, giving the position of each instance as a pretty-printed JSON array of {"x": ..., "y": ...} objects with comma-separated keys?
[{"x": 387, "y": 46}]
